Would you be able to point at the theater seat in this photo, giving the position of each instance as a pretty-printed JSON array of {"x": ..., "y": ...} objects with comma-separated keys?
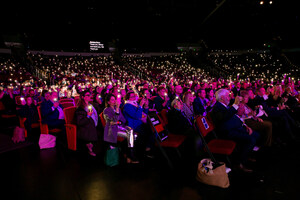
[
  {"x": 44, "y": 127},
  {"x": 71, "y": 128},
  {"x": 67, "y": 104},
  {"x": 172, "y": 141},
  {"x": 205, "y": 126},
  {"x": 33, "y": 125}
]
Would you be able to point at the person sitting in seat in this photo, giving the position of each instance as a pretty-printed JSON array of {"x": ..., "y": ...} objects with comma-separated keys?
[
  {"x": 230, "y": 126},
  {"x": 52, "y": 112},
  {"x": 179, "y": 123}
]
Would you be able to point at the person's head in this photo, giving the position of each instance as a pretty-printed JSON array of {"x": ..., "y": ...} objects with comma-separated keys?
[
  {"x": 47, "y": 96},
  {"x": 201, "y": 93},
  {"x": 188, "y": 97},
  {"x": 146, "y": 93},
  {"x": 131, "y": 96},
  {"x": 209, "y": 92},
  {"x": 177, "y": 104},
  {"x": 122, "y": 92},
  {"x": 110, "y": 100},
  {"x": 31, "y": 92},
  {"x": 261, "y": 91},
  {"x": 251, "y": 94},
  {"x": 245, "y": 95},
  {"x": 29, "y": 100},
  {"x": 86, "y": 96},
  {"x": 241, "y": 109},
  {"x": 178, "y": 89},
  {"x": 161, "y": 91},
  {"x": 222, "y": 95},
  {"x": 54, "y": 96}
]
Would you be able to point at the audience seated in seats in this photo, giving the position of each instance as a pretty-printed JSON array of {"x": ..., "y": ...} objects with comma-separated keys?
[
  {"x": 264, "y": 127},
  {"x": 230, "y": 126},
  {"x": 86, "y": 120},
  {"x": 115, "y": 126},
  {"x": 279, "y": 114},
  {"x": 179, "y": 123},
  {"x": 201, "y": 104},
  {"x": 162, "y": 100},
  {"x": 137, "y": 120},
  {"x": 8, "y": 100},
  {"x": 187, "y": 106},
  {"x": 52, "y": 112},
  {"x": 29, "y": 111}
]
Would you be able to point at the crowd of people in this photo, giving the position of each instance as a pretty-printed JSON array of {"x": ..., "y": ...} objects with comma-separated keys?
[{"x": 256, "y": 105}]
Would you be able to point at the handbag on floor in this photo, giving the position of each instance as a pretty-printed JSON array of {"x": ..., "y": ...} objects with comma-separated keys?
[
  {"x": 209, "y": 174},
  {"x": 18, "y": 135},
  {"x": 111, "y": 157},
  {"x": 47, "y": 141}
]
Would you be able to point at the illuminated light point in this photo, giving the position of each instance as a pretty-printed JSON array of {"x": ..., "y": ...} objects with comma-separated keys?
[
  {"x": 261, "y": 2},
  {"x": 271, "y": 2}
]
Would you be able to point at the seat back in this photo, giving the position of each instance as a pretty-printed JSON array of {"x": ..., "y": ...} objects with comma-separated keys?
[
  {"x": 2, "y": 107},
  {"x": 66, "y": 100},
  {"x": 69, "y": 114},
  {"x": 43, "y": 127},
  {"x": 18, "y": 100},
  {"x": 157, "y": 126},
  {"x": 204, "y": 125},
  {"x": 164, "y": 116},
  {"x": 102, "y": 119},
  {"x": 76, "y": 100},
  {"x": 67, "y": 104}
]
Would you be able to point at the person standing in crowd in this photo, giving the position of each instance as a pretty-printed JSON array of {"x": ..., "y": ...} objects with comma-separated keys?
[
  {"x": 29, "y": 111},
  {"x": 115, "y": 126},
  {"x": 137, "y": 120},
  {"x": 86, "y": 120}
]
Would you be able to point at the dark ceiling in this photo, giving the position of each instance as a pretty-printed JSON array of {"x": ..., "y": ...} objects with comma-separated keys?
[{"x": 149, "y": 24}]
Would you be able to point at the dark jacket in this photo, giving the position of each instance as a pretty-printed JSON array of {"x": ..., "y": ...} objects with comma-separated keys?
[
  {"x": 220, "y": 115},
  {"x": 49, "y": 115},
  {"x": 86, "y": 129},
  {"x": 30, "y": 113},
  {"x": 199, "y": 107},
  {"x": 178, "y": 123},
  {"x": 158, "y": 101}
]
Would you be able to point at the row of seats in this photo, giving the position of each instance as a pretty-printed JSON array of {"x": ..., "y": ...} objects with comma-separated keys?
[{"x": 203, "y": 125}]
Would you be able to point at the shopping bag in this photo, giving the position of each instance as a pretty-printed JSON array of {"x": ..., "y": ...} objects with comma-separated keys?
[
  {"x": 111, "y": 157},
  {"x": 209, "y": 174},
  {"x": 18, "y": 135},
  {"x": 47, "y": 141}
]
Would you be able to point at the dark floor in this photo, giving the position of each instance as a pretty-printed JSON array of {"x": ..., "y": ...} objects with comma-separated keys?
[{"x": 58, "y": 173}]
